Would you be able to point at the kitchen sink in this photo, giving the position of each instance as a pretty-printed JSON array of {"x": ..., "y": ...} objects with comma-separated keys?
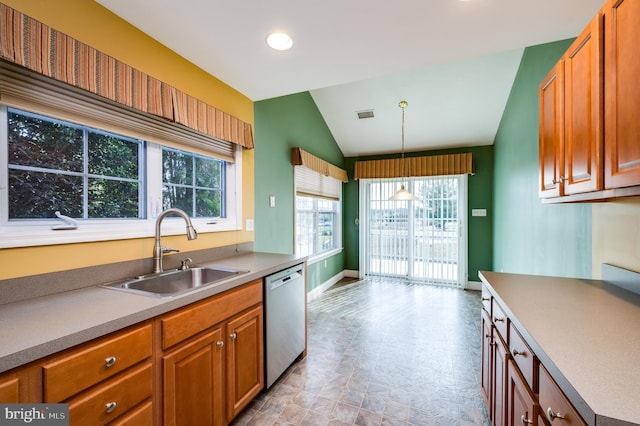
[{"x": 174, "y": 282}]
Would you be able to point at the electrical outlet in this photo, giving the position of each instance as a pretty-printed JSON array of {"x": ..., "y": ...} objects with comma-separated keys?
[
  {"x": 272, "y": 200},
  {"x": 249, "y": 225}
]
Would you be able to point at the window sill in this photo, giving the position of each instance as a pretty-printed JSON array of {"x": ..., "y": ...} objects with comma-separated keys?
[
  {"x": 14, "y": 236},
  {"x": 323, "y": 256}
]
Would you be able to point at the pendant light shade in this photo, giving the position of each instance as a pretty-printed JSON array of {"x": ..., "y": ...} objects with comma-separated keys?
[{"x": 402, "y": 194}]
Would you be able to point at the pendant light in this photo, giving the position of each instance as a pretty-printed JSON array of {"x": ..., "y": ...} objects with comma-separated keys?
[{"x": 402, "y": 194}]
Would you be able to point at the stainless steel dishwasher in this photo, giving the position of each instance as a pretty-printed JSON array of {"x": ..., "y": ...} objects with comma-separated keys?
[{"x": 284, "y": 320}]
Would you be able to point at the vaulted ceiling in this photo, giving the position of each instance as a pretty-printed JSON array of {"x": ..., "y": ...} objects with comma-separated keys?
[{"x": 454, "y": 61}]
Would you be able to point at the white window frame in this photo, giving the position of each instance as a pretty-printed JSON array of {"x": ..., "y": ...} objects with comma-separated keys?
[
  {"x": 309, "y": 183},
  {"x": 39, "y": 232}
]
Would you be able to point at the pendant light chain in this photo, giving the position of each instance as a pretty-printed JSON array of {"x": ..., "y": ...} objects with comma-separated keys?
[
  {"x": 403, "y": 105},
  {"x": 403, "y": 194}
]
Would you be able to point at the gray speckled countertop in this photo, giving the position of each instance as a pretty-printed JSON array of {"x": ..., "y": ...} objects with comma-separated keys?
[
  {"x": 33, "y": 328},
  {"x": 587, "y": 334}
]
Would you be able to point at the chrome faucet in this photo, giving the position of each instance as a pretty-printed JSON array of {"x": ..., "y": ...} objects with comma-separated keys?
[{"x": 158, "y": 250}]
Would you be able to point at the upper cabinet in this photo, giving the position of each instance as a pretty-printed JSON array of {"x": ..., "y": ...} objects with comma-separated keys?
[
  {"x": 589, "y": 104},
  {"x": 571, "y": 148},
  {"x": 622, "y": 93},
  {"x": 552, "y": 132}
]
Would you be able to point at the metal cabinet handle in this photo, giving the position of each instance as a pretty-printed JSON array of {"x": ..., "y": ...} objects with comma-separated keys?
[
  {"x": 525, "y": 421},
  {"x": 233, "y": 336},
  {"x": 110, "y": 406},
  {"x": 552, "y": 416},
  {"x": 109, "y": 362},
  {"x": 516, "y": 352},
  {"x": 498, "y": 319},
  {"x": 485, "y": 299},
  {"x": 220, "y": 344}
]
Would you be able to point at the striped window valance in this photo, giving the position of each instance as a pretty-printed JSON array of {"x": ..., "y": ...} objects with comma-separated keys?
[
  {"x": 37, "y": 47},
  {"x": 434, "y": 165},
  {"x": 300, "y": 157}
]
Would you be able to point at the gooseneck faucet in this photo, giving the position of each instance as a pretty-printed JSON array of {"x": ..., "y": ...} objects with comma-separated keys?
[{"x": 158, "y": 250}]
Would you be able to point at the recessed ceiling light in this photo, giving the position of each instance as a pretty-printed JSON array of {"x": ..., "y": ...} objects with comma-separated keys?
[{"x": 279, "y": 41}]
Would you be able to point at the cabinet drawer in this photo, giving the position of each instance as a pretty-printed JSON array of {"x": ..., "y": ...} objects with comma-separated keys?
[
  {"x": 523, "y": 356},
  {"x": 486, "y": 299},
  {"x": 139, "y": 416},
  {"x": 499, "y": 319},
  {"x": 113, "y": 398},
  {"x": 554, "y": 404},
  {"x": 93, "y": 362},
  {"x": 193, "y": 319}
]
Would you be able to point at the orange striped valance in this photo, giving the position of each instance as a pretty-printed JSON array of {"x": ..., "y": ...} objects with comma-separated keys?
[
  {"x": 300, "y": 157},
  {"x": 434, "y": 165},
  {"x": 36, "y": 46}
]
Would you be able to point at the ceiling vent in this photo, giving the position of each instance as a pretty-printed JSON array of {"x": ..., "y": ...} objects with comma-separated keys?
[{"x": 365, "y": 114}]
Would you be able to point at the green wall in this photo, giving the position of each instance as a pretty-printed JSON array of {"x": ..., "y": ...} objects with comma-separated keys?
[
  {"x": 281, "y": 124},
  {"x": 531, "y": 237},
  {"x": 479, "y": 197}
]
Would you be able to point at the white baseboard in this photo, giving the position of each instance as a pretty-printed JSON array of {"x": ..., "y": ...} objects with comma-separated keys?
[
  {"x": 324, "y": 286},
  {"x": 350, "y": 273},
  {"x": 474, "y": 285}
]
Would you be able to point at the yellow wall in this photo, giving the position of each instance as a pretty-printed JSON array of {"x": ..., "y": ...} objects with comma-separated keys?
[
  {"x": 616, "y": 234},
  {"x": 92, "y": 24}
]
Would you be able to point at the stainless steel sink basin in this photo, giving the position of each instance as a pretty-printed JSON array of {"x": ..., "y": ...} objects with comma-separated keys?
[{"x": 172, "y": 283}]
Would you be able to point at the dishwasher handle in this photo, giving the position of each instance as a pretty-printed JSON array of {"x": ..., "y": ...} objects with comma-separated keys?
[{"x": 284, "y": 280}]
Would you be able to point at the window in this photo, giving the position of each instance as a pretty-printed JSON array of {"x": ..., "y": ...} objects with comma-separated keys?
[
  {"x": 318, "y": 220},
  {"x": 193, "y": 183},
  {"x": 112, "y": 184},
  {"x": 81, "y": 172},
  {"x": 316, "y": 225}
]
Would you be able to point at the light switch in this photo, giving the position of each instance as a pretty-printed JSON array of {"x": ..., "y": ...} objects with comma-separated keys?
[
  {"x": 249, "y": 224},
  {"x": 478, "y": 212},
  {"x": 272, "y": 200}
]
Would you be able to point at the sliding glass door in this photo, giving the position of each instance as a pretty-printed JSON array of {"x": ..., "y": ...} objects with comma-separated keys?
[{"x": 422, "y": 240}]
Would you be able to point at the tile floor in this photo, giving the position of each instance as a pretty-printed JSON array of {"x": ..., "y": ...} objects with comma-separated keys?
[{"x": 382, "y": 353}]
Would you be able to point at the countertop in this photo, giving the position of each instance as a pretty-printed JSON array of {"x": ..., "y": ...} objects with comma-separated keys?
[
  {"x": 587, "y": 334},
  {"x": 41, "y": 326}
]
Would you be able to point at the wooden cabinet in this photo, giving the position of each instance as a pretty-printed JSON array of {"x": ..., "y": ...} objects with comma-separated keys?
[
  {"x": 486, "y": 364},
  {"x": 551, "y": 133},
  {"x": 193, "y": 391},
  {"x": 570, "y": 126},
  {"x": 200, "y": 364},
  {"x": 517, "y": 387},
  {"x": 554, "y": 404},
  {"x": 213, "y": 357},
  {"x": 583, "y": 149},
  {"x": 21, "y": 385},
  {"x": 622, "y": 93},
  {"x": 500, "y": 364},
  {"x": 524, "y": 357},
  {"x": 494, "y": 366},
  {"x": 522, "y": 408},
  {"x": 245, "y": 360},
  {"x": 104, "y": 380}
]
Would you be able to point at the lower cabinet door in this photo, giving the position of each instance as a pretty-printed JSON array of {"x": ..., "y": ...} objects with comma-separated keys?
[
  {"x": 192, "y": 382},
  {"x": 487, "y": 373},
  {"x": 245, "y": 360},
  {"x": 500, "y": 364},
  {"x": 521, "y": 406}
]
